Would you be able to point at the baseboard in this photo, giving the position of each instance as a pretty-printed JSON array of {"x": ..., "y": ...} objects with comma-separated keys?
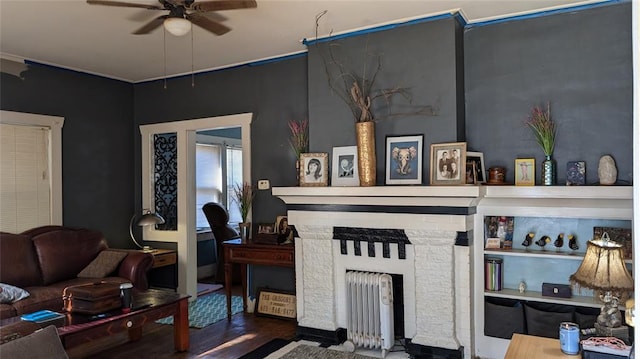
[
  {"x": 419, "y": 351},
  {"x": 332, "y": 337}
]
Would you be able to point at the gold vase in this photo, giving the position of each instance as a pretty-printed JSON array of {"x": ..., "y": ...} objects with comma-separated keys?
[{"x": 366, "y": 141}]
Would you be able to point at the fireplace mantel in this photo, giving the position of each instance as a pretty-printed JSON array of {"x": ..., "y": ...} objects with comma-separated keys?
[{"x": 436, "y": 196}]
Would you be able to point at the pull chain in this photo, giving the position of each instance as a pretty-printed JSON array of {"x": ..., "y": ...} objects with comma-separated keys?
[
  {"x": 164, "y": 53},
  {"x": 193, "y": 84}
]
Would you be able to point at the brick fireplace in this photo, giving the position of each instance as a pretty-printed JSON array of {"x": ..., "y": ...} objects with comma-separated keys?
[{"x": 434, "y": 263}]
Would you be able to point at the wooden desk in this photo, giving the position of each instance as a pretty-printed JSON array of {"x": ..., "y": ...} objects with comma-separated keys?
[
  {"x": 532, "y": 347},
  {"x": 250, "y": 253}
]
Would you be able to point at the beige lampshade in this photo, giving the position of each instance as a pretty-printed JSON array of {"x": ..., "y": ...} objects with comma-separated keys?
[{"x": 603, "y": 268}]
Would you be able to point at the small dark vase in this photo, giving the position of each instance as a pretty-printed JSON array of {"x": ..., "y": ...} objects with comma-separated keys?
[{"x": 548, "y": 171}]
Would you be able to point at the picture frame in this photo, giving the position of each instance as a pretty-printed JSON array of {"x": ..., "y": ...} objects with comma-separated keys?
[
  {"x": 576, "y": 171},
  {"x": 276, "y": 304},
  {"x": 314, "y": 169},
  {"x": 447, "y": 161},
  {"x": 284, "y": 230},
  {"x": 525, "y": 172},
  {"x": 266, "y": 228},
  {"x": 344, "y": 166},
  {"x": 478, "y": 159},
  {"x": 404, "y": 158},
  {"x": 266, "y": 234},
  {"x": 471, "y": 173}
]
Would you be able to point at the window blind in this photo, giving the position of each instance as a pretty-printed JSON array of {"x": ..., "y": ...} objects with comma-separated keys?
[{"x": 25, "y": 180}]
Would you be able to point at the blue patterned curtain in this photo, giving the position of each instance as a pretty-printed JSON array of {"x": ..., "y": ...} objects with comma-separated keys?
[{"x": 165, "y": 175}]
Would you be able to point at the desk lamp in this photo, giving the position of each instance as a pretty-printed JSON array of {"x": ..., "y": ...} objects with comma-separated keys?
[
  {"x": 603, "y": 270},
  {"x": 147, "y": 219}
]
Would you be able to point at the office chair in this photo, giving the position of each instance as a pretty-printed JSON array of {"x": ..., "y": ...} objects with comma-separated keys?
[{"x": 218, "y": 219}]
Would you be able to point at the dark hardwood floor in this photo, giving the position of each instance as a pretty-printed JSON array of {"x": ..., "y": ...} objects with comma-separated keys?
[{"x": 227, "y": 340}]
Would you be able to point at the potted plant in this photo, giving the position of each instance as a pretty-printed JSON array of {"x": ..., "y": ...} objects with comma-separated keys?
[
  {"x": 544, "y": 129},
  {"x": 299, "y": 140},
  {"x": 243, "y": 195}
]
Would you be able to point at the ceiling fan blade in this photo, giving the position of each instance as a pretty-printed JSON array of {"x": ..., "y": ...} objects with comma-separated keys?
[
  {"x": 123, "y": 4},
  {"x": 150, "y": 26},
  {"x": 205, "y": 6},
  {"x": 207, "y": 24}
]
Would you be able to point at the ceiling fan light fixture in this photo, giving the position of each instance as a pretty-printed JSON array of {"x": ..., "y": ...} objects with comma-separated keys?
[{"x": 177, "y": 26}]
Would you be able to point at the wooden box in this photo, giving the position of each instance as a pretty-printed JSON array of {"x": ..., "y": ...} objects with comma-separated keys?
[{"x": 92, "y": 298}]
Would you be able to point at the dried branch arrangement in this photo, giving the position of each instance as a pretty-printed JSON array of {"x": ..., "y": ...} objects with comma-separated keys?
[{"x": 356, "y": 90}]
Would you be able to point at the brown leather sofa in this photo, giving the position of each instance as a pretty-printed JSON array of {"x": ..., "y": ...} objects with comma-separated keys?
[{"x": 45, "y": 260}]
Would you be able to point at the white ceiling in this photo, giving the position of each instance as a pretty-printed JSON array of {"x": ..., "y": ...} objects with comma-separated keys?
[{"x": 98, "y": 40}]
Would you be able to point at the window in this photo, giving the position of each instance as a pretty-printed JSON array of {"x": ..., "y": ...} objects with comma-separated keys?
[
  {"x": 234, "y": 177},
  {"x": 30, "y": 171},
  {"x": 208, "y": 179}
]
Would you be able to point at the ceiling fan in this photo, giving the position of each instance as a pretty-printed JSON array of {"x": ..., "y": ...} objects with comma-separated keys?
[{"x": 183, "y": 13}]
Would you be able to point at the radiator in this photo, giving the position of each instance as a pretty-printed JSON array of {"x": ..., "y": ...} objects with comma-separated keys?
[{"x": 370, "y": 310}]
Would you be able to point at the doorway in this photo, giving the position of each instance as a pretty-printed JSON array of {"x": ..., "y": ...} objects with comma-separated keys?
[
  {"x": 218, "y": 170},
  {"x": 184, "y": 235}
]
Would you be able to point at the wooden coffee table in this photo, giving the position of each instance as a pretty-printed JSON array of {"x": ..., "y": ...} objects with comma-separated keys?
[{"x": 149, "y": 306}]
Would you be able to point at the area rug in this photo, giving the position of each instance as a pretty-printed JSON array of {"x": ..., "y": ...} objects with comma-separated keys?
[
  {"x": 314, "y": 350},
  {"x": 208, "y": 309},
  {"x": 311, "y": 351}
]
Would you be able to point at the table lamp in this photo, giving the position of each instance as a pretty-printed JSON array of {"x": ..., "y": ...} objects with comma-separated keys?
[
  {"x": 603, "y": 270},
  {"x": 147, "y": 219}
]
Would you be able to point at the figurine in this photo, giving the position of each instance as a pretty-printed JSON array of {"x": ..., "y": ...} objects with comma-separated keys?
[
  {"x": 528, "y": 239},
  {"x": 543, "y": 241},
  {"x": 559, "y": 242},
  {"x": 573, "y": 242},
  {"x": 522, "y": 286}
]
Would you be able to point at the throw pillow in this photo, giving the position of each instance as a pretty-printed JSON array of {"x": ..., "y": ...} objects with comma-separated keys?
[
  {"x": 10, "y": 294},
  {"x": 105, "y": 263},
  {"x": 44, "y": 343}
]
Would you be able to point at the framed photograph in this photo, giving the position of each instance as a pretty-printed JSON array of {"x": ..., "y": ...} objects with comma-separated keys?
[
  {"x": 284, "y": 230},
  {"x": 576, "y": 173},
  {"x": 525, "y": 172},
  {"x": 344, "y": 166},
  {"x": 478, "y": 159},
  {"x": 314, "y": 170},
  {"x": 447, "y": 160},
  {"x": 471, "y": 173},
  {"x": 266, "y": 234},
  {"x": 404, "y": 160},
  {"x": 275, "y": 303}
]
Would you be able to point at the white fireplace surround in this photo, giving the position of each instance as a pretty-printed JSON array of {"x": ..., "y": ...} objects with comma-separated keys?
[{"x": 436, "y": 272}]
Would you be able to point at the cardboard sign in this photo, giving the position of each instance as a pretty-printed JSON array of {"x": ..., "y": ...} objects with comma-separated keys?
[{"x": 274, "y": 303}]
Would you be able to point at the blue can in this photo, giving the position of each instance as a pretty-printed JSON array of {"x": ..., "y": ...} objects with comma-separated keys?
[{"x": 569, "y": 338}]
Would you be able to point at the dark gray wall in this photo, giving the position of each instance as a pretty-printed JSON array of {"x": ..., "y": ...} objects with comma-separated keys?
[
  {"x": 422, "y": 58},
  {"x": 274, "y": 92},
  {"x": 97, "y": 147},
  {"x": 580, "y": 62}
]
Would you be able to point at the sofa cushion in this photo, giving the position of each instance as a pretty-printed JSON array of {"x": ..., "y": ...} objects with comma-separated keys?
[
  {"x": 19, "y": 264},
  {"x": 105, "y": 263},
  {"x": 40, "y": 298},
  {"x": 11, "y": 294},
  {"x": 64, "y": 252}
]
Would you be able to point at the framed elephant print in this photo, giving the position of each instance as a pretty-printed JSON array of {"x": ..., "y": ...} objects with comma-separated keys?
[
  {"x": 448, "y": 163},
  {"x": 404, "y": 158}
]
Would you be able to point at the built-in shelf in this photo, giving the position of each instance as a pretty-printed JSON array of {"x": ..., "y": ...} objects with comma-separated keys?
[
  {"x": 551, "y": 206},
  {"x": 534, "y": 253},
  {"x": 539, "y": 254},
  {"x": 538, "y": 297}
]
